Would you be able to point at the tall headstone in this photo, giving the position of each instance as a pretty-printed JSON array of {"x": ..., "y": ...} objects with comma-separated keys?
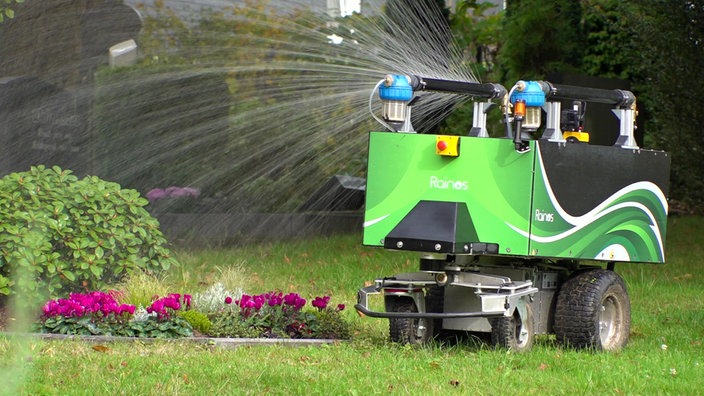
[
  {"x": 49, "y": 54},
  {"x": 40, "y": 126}
]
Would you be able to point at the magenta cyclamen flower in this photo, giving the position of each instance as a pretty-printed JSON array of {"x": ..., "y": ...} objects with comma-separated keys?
[
  {"x": 126, "y": 308},
  {"x": 321, "y": 302},
  {"x": 294, "y": 300},
  {"x": 274, "y": 299},
  {"x": 162, "y": 306},
  {"x": 78, "y": 305}
]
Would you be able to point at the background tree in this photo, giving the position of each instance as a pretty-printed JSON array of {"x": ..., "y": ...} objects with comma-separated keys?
[
  {"x": 656, "y": 45},
  {"x": 669, "y": 57},
  {"x": 539, "y": 37}
]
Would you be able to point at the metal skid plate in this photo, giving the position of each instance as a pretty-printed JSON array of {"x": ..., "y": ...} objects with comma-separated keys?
[{"x": 477, "y": 295}]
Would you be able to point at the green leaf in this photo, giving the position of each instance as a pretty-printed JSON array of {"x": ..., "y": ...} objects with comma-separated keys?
[
  {"x": 69, "y": 275},
  {"x": 97, "y": 271}
]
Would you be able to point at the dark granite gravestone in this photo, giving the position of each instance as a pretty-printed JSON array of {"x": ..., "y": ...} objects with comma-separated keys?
[
  {"x": 40, "y": 126},
  {"x": 103, "y": 26},
  {"x": 48, "y": 58}
]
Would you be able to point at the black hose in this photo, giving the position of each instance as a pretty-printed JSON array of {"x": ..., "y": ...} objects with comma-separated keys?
[
  {"x": 617, "y": 97},
  {"x": 487, "y": 90}
]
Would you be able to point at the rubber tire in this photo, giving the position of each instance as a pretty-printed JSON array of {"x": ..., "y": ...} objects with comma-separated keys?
[
  {"x": 513, "y": 332},
  {"x": 593, "y": 311},
  {"x": 408, "y": 330}
]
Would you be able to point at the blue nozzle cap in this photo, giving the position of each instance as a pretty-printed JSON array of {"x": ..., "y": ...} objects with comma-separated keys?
[
  {"x": 396, "y": 87},
  {"x": 532, "y": 94}
]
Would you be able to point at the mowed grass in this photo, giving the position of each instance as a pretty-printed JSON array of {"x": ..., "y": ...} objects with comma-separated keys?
[{"x": 665, "y": 355}]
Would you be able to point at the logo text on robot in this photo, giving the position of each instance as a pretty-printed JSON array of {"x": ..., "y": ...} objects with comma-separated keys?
[{"x": 448, "y": 184}]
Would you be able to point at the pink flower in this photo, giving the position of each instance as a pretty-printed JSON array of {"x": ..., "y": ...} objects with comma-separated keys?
[
  {"x": 294, "y": 300},
  {"x": 126, "y": 308},
  {"x": 340, "y": 307},
  {"x": 228, "y": 300},
  {"x": 321, "y": 302},
  {"x": 156, "y": 194},
  {"x": 78, "y": 305}
]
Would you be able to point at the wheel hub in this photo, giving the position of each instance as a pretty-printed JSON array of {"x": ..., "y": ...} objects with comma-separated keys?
[{"x": 608, "y": 320}]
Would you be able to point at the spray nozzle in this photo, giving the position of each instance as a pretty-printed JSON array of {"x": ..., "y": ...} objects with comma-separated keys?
[
  {"x": 396, "y": 93},
  {"x": 533, "y": 97}
]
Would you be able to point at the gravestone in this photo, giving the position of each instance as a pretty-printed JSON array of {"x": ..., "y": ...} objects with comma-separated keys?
[
  {"x": 40, "y": 126},
  {"x": 49, "y": 54}
]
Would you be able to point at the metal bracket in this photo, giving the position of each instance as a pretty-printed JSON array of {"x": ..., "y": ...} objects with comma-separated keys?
[
  {"x": 479, "y": 119},
  {"x": 552, "y": 123},
  {"x": 626, "y": 138}
]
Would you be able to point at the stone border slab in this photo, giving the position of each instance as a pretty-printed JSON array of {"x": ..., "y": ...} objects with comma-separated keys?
[{"x": 225, "y": 343}]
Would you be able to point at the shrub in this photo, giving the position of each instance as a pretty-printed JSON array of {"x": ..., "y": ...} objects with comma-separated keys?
[{"x": 60, "y": 234}]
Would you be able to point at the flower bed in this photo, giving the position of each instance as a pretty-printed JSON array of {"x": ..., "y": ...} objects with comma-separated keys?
[{"x": 268, "y": 315}]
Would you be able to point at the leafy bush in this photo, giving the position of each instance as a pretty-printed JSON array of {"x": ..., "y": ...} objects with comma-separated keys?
[{"x": 60, "y": 234}]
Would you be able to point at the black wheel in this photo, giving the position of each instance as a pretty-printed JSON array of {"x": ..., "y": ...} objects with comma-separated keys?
[
  {"x": 514, "y": 332},
  {"x": 572, "y": 139},
  {"x": 408, "y": 330},
  {"x": 593, "y": 311}
]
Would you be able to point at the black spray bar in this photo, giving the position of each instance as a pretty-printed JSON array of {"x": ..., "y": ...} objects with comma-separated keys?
[{"x": 616, "y": 97}]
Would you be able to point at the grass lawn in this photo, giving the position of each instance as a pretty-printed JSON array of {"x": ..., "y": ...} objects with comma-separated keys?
[{"x": 664, "y": 356}]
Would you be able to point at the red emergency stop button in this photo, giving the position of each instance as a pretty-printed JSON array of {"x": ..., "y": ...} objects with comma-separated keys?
[{"x": 447, "y": 145}]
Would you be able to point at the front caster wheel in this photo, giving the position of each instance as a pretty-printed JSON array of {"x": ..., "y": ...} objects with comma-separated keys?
[
  {"x": 408, "y": 330},
  {"x": 515, "y": 332},
  {"x": 593, "y": 311}
]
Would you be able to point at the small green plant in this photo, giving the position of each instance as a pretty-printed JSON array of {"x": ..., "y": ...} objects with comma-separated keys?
[
  {"x": 213, "y": 299},
  {"x": 60, "y": 234},
  {"x": 329, "y": 324},
  {"x": 198, "y": 321},
  {"x": 139, "y": 288}
]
